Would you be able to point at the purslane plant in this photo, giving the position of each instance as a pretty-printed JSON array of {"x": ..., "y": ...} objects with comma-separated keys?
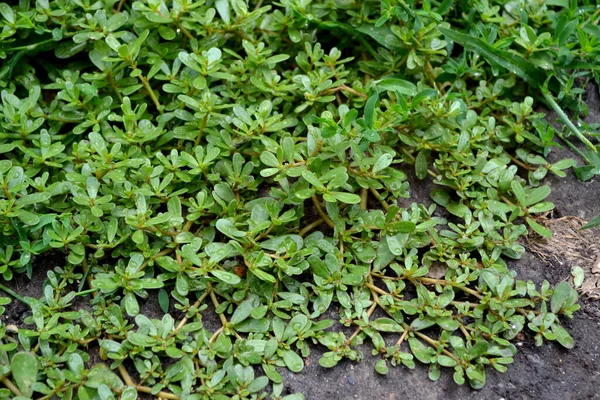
[{"x": 247, "y": 163}]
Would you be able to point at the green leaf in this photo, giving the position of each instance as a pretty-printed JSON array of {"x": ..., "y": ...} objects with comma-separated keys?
[
  {"x": 24, "y": 369},
  {"x": 402, "y": 226},
  {"x": 100, "y": 374},
  {"x": 129, "y": 394},
  {"x": 540, "y": 229},
  {"x": 497, "y": 57},
  {"x": 383, "y": 35},
  {"x": 227, "y": 227},
  {"x": 383, "y": 162},
  {"x": 132, "y": 307},
  {"x": 381, "y": 367},
  {"x": 262, "y": 275},
  {"x": 369, "y": 110},
  {"x": 75, "y": 363},
  {"x": 562, "y": 336},
  {"x": 348, "y": 198},
  {"x": 7, "y": 13},
  {"x": 561, "y": 293},
  {"x": 386, "y": 325},
  {"x": 559, "y": 3},
  {"x": 536, "y": 195},
  {"x": 446, "y": 361},
  {"x": 396, "y": 243},
  {"x": 312, "y": 179},
  {"x": 398, "y": 85},
  {"x": 421, "y": 352},
  {"x": 269, "y": 159},
  {"x": 448, "y": 323},
  {"x": 33, "y": 199},
  {"x": 594, "y": 222},
  {"x": 519, "y": 192},
  {"x": 163, "y": 300},
  {"x": 329, "y": 360},
  {"x": 541, "y": 207},
  {"x": 578, "y": 275},
  {"x": 227, "y": 277},
  {"x": 28, "y": 218},
  {"x": 243, "y": 310},
  {"x": 293, "y": 361},
  {"x": 168, "y": 263},
  {"x": 258, "y": 384},
  {"x": 421, "y": 165},
  {"x": 222, "y": 7}
]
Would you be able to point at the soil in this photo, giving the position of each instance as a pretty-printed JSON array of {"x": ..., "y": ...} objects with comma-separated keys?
[{"x": 548, "y": 372}]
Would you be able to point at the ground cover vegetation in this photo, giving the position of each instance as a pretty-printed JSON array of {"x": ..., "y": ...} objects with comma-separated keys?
[{"x": 247, "y": 164}]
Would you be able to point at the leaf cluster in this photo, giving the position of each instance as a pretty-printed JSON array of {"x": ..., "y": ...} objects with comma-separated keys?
[{"x": 247, "y": 163}]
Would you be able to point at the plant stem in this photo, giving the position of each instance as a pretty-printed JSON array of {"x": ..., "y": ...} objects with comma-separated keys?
[
  {"x": 185, "y": 319},
  {"x": 84, "y": 292},
  {"x": 522, "y": 164},
  {"x": 15, "y": 295},
  {"x": 215, "y": 302},
  {"x": 363, "y": 198},
  {"x": 431, "y": 281},
  {"x": 11, "y": 386},
  {"x": 561, "y": 114},
  {"x": 164, "y": 395},
  {"x": 310, "y": 227},
  {"x": 32, "y": 136},
  {"x": 434, "y": 343},
  {"x": 160, "y": 254},
  {"x": 321, "y": 212},
  {"x": 151, "y": 93},
  {"x": 265, "y": 233},
  {"x": 125, "y": 375},
  {"x": 379, "y": 199},
  {"x": 143, "y": 389},
  {"x": 359, "y": 329},
  {"x": 120, "y": 5},
  {"x": 184, "y": 31},
  {"x": 348, "y": 89},
  {"x": 201, "y": 129},
  {"x": 573, "y": 147},
  {"x": 407, "y": 327},
  {"x": 404, "y": 335},
  {"x": 215, "y": 335}
]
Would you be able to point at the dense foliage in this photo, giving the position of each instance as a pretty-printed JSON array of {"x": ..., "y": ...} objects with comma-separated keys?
[{"x": 247, "y": 164}]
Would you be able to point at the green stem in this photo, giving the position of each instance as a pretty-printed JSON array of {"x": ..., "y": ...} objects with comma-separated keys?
[
  {"x": 29, "y": 47},
  {"x": 15, "y": 295},
  {"x": 150, "y": 91},
  {"x": 84, "y": 292},
  {"x": 561, "y": 114},
  {"x": 573, "y": 147},
  {"x": 35, "y": 136}
]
